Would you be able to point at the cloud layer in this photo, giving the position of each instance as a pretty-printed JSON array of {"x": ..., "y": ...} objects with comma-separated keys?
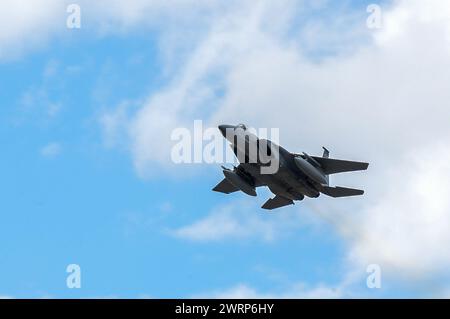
[
  {"x": 239, "y": 221},
  {"x": 243, "y": 291}
]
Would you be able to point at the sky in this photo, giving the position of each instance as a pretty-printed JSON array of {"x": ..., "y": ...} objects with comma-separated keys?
[{"x": 86, "y": 119}]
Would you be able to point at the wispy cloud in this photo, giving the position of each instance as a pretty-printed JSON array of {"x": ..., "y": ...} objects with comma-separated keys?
[
  {"x": 39, "y": 103},
  {"x": 44, "y": 20},
  {"x": 241, "y": 219},
  {"x": 243, "y": 291},
  {"x": 51, "y": 150}
]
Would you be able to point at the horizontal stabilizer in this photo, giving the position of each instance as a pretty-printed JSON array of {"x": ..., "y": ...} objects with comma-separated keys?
[
  {"x": 276, "y": 202},
  {"x": 341, "y": 191},
  {"x": 225, "y": 187},
  {"x": 333, "y": 166}
]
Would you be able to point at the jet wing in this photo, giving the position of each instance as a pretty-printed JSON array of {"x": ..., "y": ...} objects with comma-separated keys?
[
  {"x": 341, "y": 191},
  {"x": 333, "y": 166},
  {"x": 225, "y": 187},
  {"x": 276, "y": 202}
]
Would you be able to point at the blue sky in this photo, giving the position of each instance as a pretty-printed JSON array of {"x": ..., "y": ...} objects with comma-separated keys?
[{"x": 74, "y": 193}]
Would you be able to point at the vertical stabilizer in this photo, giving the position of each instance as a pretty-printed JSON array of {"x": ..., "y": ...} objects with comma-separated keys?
[{"x": 326, "y": 154}]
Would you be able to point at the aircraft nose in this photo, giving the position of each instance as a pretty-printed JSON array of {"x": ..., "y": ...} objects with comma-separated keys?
[{"x": 223, "y": 128}]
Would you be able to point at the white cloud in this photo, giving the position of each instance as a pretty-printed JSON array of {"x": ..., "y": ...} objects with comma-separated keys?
[
  {"x": 25, "y": 26},
  {"x": 242, "y": 32},
  {"x": 114, "y": 124},
  {"x": 239, "y": 220},
  {"x": 51, "y": 150},
  {"x": 406, "y": 230},
  {"x": 35, "y": 103},
  {"x": 242, "y": 291}
]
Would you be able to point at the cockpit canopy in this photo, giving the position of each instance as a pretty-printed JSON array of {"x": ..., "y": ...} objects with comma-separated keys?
[{"x": 242, "y": 126}]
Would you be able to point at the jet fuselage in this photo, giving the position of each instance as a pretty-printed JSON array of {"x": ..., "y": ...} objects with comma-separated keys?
[{"x": 288, "y": 175}]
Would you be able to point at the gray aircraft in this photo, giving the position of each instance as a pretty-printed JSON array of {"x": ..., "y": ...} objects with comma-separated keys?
[{"x": 295, "y": 176}]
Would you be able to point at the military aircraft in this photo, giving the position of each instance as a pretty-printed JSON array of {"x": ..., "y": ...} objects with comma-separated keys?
[{"x": 295, "y": 176}]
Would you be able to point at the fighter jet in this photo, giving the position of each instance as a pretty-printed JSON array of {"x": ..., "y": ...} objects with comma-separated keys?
[{"x": 294, "y": 177}]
